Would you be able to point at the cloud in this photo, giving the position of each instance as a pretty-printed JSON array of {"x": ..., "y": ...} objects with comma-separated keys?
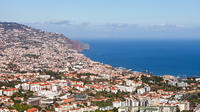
[
  {"x": 59, "y": 22},
  {"x": 118, "y": 30}
]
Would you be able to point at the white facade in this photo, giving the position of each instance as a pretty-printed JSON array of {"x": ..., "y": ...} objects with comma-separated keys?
[
  {"x": 131, "y": 102},
  {"x": 143, "y": 90},
  {"x": 25, "y": 86},
  {"x": 119, "y": 104},
  {"x": 48, "y": 94},
  {"x": 184, "y": 106},
  {"x": 35, "y": 87},
  {"x": 1, "y": 92},
  {"x": 126, "y": 88}
]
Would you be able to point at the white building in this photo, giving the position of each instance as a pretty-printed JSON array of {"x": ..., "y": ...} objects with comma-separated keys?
[
  {"x": 118, "y": 104},
  {"x": 48, "y": 94},
  {"x": 10, "y": 92},
  {"x": 143, "y": 90},
  {"x": 1, "y": 92},
  {"x": 35, "y": 87},
  {"x": 25, "y": 86},
  {"x": 126, "y": 88},
  {"x": 184, "y": 105},
  {"x": 131, "y": 102}
]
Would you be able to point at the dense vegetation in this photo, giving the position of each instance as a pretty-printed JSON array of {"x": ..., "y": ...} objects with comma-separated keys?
[
  {"x": 118, "y": 95},
  {"x": 103, "y": 103},
  {"x": 157, "y": 82},
  {"x": 193, "y": 98},
  {"x": 21, "y": 93},
  {"x": 10, "y": 84},
  {"x": 21, "y": 107}
]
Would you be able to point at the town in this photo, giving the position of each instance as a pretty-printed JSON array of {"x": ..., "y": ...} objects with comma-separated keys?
[
  {"x": 41, "y": 71},
  {"x": 78, "y": 92}
]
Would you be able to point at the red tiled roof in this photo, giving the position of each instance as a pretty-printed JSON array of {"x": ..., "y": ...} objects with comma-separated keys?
[{"x": 32, "y": 110}]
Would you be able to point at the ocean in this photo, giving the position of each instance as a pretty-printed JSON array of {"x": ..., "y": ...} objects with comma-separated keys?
[{"x": 178, "y": 57}]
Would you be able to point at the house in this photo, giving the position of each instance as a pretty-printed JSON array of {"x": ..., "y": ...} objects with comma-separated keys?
[
  {"x": 69, "y": 100},
  {"x": 13, "y": 110},
  {"x": 197, "y": 79},
  {"x": 58, "y": 109},
  {"x": 19, "y": 98},
  {"x": 10, "y": 92},
  {"x": 114, "y": 90},
  {"x": 81, "y": 88},
  {"x": 182, "y": 84},
  {"x": 33, "y": 110},
  {"x": 4, "y": 110},
  {"x": 185, "y": 105}
]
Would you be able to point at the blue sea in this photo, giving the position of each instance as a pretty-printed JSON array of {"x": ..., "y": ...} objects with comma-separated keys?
[{"x": 178, "y": 57}]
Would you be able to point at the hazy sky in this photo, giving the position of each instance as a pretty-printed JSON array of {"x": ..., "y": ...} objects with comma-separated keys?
[{"x": 107, "y": 18}]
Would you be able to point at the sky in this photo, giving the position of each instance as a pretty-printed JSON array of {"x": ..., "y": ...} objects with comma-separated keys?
[{"x": 108, "y": 18}]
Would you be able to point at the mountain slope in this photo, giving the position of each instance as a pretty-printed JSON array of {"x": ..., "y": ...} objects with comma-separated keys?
[{"x": 24, "y": 48}]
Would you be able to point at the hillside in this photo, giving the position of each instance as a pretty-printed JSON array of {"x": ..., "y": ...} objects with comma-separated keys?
[{"x": 24, "y": 48}]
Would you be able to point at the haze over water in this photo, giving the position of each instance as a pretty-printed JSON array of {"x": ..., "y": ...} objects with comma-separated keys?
[{"x": 173, "y": 57}]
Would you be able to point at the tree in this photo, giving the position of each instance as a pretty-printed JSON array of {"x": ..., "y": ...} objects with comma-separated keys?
[
  {"x": 115, "y": 109},
  {"x": 186, "y": 111},
  {"x": 21, "y": 107}
]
